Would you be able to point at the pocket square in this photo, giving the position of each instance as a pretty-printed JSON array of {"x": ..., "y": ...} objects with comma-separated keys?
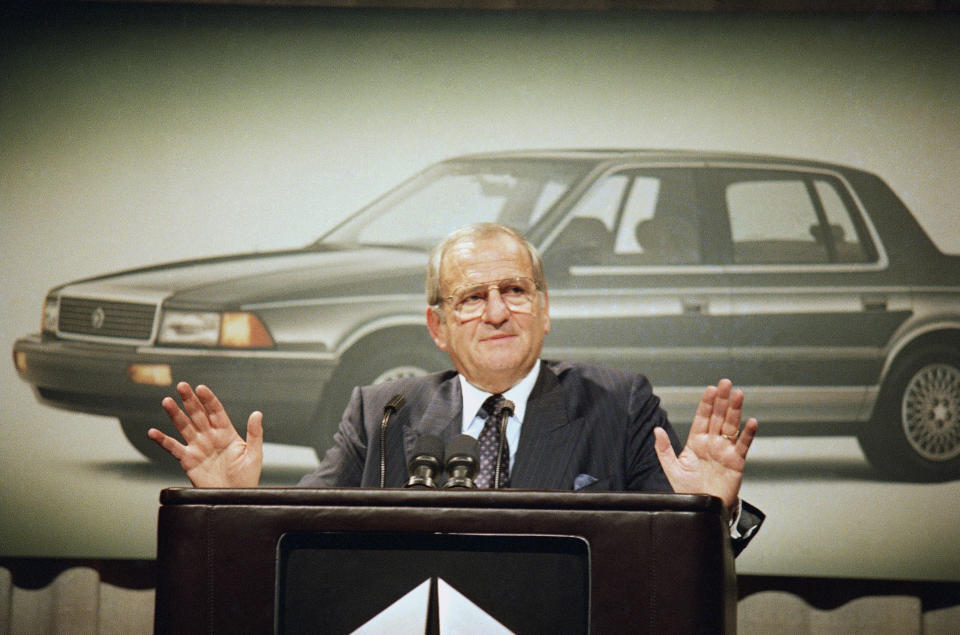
[{"x": 584, "y": 480}]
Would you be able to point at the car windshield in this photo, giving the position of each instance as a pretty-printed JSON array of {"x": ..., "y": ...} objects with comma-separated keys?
[{"x": 423, "y": 210}]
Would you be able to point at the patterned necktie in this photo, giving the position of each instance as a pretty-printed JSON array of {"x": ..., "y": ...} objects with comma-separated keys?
[{"x": 489, "y": 441}]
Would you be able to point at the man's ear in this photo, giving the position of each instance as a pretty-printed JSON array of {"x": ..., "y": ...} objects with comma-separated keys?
[
  {"x": 546, "y": 313},
  {"x": 437, "y": 328}
]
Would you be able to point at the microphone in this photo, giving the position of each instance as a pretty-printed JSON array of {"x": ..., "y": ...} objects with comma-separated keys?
[
  {"x": 426, "y": 462},
  {"x": 462, "y": 461},
  {"x": 396, "y": 403},
  {"x": 506, "y": 411}
]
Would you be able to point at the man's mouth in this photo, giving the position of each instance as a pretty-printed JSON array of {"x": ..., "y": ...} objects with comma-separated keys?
[{"x": 497, "y": 336}]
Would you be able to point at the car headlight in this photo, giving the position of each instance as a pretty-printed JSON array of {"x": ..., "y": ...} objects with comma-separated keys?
[
  {"x": 208, "y": 328},
  {"x": 51, "y": 314},
  {"x": 190, "y": 327}
]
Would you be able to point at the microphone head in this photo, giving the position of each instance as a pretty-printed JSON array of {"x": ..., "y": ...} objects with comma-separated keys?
[
  {"x": 463, "y": 450},
  {"x": 428, "y": 448},
  {"x": 508, "y": 408},
  {"x": 396, "y": 402}
]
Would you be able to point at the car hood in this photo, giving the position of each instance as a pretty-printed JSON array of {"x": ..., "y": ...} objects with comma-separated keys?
[{"x": 238, "y": 280}]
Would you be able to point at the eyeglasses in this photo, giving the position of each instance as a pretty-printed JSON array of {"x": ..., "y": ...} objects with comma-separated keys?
[{"x": 518, "y": 295}]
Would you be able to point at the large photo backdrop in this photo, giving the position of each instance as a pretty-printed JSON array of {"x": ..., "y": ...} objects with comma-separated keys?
[{"x": 131, "y": 136}]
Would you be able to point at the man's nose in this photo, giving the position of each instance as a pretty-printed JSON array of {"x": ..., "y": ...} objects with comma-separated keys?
[{"x": 496, "y": 309}]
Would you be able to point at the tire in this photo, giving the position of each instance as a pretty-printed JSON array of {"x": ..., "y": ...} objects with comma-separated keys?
[
  {"x": 136, "y": 432},
  {"x": 373, "y": 361},
  {"x": 915, "y": 430}
]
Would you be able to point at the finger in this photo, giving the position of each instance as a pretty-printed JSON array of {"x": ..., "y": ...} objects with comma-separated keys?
[
  {"x": 664, "y": 449},
  {"x": 193, "y": 406},
  {"x": 181, "y": 421},
  {"x": 216, "y": 413},
  {"x": 701, "y": 419},
  {"x": 255, "y": 434},
  {"x": 731, "y": 421},
  {"x": 171, "y": 445},
  {"x": 720, "y": 403},
  {"x": 746, "y": 437}
]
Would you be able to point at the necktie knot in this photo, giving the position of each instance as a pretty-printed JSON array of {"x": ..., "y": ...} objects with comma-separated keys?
[{"x": 493, "y": 406}]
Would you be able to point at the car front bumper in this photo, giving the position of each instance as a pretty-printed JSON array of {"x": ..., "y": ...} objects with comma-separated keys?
[{"x": 95, "y": 379}]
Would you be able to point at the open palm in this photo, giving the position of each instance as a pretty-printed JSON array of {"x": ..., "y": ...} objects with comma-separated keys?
[
  {"x": 213, "y": 454},
  {"x": 713, "y": 459}
]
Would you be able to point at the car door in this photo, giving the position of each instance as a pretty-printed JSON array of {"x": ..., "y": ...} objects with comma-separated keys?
[
  {"x": 634, "y": 283},
  {"x": 810, "y": 316}
]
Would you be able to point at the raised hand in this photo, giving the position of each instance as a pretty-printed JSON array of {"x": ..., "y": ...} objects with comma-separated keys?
[
  {"x": 713, "y": 459},
  {"x": 214, "y": 455}
]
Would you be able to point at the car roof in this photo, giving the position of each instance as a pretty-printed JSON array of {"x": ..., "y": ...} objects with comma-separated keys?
[{"x": 600, "y": 155}]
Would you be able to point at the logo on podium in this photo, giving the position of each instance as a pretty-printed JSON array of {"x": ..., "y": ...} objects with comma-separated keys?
[{"x": 433, "y": 606}]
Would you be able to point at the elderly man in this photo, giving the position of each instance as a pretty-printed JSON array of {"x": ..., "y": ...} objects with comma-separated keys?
[{"x": 574, "y": 426}]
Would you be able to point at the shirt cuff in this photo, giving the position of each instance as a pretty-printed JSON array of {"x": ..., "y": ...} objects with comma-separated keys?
[{"x": 734, "y": 521}]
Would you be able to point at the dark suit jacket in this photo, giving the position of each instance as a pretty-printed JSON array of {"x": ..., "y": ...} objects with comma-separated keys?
[{"x": 583, "y": 425}]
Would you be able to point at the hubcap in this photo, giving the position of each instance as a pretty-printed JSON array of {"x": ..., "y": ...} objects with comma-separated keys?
[
  {"x": 931, "y": 412},
  {"x": 399, "y": 372}
]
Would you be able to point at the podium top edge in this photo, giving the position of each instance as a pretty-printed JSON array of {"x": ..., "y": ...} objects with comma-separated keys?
[{"x": 467, "y": 499}]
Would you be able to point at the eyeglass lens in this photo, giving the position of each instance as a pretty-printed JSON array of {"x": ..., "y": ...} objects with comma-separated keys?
[{"x": 516, "y": 293}]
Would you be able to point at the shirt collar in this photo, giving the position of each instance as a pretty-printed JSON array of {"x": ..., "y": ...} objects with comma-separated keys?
[{"x": 473, "y": 397}]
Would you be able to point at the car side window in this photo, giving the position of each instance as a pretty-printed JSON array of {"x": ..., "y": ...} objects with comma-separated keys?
[
  {"x": 587, "y": 234},
  {"x": 784, "y": 218},
  {"x": 637, "y": 217},
  {"x": 770, "y": 222}
]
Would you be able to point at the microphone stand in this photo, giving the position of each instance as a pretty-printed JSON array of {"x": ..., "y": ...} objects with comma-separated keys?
[
  {"x": 396, "y": 402},
  {"x": 505, "y": 414}
]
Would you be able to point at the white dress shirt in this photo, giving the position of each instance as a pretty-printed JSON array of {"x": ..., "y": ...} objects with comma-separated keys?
[{"x": 473, "y": 399}]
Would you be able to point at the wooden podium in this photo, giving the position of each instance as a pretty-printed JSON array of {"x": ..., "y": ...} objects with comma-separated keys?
[{"x": 336, "y": 560}]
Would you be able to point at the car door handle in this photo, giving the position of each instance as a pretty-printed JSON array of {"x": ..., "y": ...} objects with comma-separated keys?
[
  {"x": 874, "y": 303},
  {"x": 692, "y": 305}
]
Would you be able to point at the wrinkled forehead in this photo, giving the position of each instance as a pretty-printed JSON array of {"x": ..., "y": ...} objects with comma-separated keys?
[{"x": 482, "y": 260}]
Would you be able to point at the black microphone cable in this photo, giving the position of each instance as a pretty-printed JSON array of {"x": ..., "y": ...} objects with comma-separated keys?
[
  {"x": 396, "y": 402},
  {"x": 505, "y": 412}
]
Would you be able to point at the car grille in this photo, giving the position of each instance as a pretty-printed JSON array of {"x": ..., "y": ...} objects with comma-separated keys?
[{"x": 126, "y": 320}]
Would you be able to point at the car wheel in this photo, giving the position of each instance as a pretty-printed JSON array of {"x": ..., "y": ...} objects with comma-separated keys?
[
  {"x": 915, "y": 430},
  {"x": 136, "y": 432},
  {"x": 374, "y": 362}
]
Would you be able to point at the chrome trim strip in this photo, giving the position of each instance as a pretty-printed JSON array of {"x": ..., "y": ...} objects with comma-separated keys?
[
  {"x": 735, "y": 290},
  {"x": 131, "y": 294},
  {"x": 622, "y": 270},
  {"x": 785, "y": 404},
  {"x": 636, "y": 352},
  {"x": 360, "y": 299},
  {"x": 235, "y": 353},
  {"x": 632, "y": 292},
  {"x": 805, "y": 353},
  {"x": 821, "y": 290},
  {"x": 679, "y": 353},
  {"x": 619, "y": 270}
]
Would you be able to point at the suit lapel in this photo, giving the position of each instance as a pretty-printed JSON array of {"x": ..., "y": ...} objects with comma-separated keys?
[
  {"x": 546, "y": 438},
  {"x": 442, "y": 412}
]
